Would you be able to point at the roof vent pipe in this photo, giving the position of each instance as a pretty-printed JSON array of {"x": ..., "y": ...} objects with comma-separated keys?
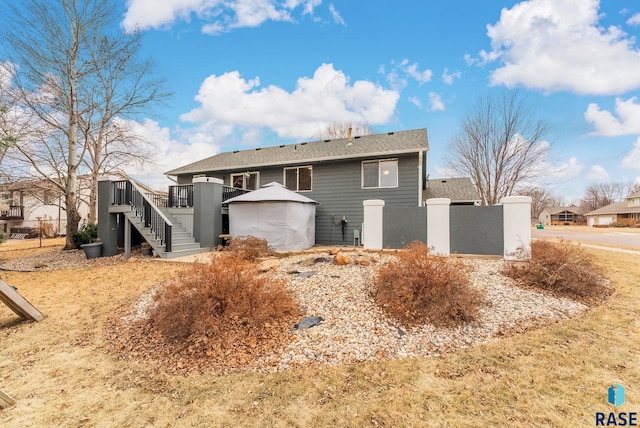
[{"x": 350, "y": 130}]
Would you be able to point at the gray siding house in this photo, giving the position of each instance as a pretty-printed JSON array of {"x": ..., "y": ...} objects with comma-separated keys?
[{"x": 339, "y": 174}]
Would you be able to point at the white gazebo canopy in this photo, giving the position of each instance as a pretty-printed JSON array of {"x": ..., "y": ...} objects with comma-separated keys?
[{"x": 286, "y": 219}]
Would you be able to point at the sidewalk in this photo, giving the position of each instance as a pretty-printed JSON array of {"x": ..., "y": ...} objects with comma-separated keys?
[{"x": 619, "y": 250}]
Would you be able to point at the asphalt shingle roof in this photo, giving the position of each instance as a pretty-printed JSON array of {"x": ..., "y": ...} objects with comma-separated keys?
[
  {"x": 616, "y": 208},
  {"x": 391, "y": 143},
  {"x": 459, "y": 189},
  {"x": 557, "y": 210}
]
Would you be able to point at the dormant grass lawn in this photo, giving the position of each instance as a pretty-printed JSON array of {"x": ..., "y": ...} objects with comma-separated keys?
[{"x": 61, "y": 373}]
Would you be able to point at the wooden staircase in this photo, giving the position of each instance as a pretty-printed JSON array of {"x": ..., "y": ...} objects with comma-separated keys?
[
  {"x": 167, "y": 237},
  {"x": 182, "y": 243}
]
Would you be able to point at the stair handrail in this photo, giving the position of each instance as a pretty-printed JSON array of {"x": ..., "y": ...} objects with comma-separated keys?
[{"x": 151, "y": 215}]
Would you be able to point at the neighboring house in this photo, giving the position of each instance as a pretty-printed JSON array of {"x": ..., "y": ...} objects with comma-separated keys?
[
  {"x": 460, "y": 190},
  {"x": 562, "y": 216},
  {"x": 339, "y": 174},
  {"x": 626, "y": 212},
  {"x": 23, "y": 203}
]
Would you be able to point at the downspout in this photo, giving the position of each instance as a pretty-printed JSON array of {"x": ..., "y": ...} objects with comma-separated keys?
[{"x": 420, "y": 156}]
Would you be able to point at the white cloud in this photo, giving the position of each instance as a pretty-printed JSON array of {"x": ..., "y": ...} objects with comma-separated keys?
[
  {"x": 605, "y": 123},
  {"x": 415, "y": 101},
  {"x": 396, "y": 82},
  {"x": 192, "y": 145},
  {"x": 435, "y": 102},
  {"x": 567, "y": 170},
  {"x": 400, "y": 73},
  {"x": 632, "y": 160},
  {"x": 449, "y": 78},
  {"x": 597, "y": 173},
  {"x": 413, "y": 71},
  {"x": 218, "y": 15},
  {"x": 326, "y": 98},
  {"x": 445, "y": 172},
  {"x": 559, "y": 45},
  {"x": 634, "y": 20},
  {"x": 336, "y": 15},
  {"x": 470, "y": 60},
  {"x": 7, "y": 71}
]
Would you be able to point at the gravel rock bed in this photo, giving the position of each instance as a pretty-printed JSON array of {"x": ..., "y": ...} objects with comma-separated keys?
[
  {"x": 57, "y": 260},
  {"x": 355, "y": 330}
]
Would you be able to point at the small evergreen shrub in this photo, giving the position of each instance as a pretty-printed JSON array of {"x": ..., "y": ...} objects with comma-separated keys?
[
  {"x": 86, "y": 235},
  {"x": 224, "y": 308},
  {"x": 420, "y": 287},
  {"x": 564, "y": 269}
]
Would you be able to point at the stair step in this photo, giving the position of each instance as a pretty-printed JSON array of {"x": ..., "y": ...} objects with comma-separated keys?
[
  {"x": 182, "y": 242},
  {"x": 186, "y": 246},
  {"x": 178, "y": 241},
  {"x": 182, "y": 253}
]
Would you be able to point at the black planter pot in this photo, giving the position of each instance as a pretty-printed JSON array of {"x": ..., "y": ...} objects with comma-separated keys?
[{"x": 93, "y": 250}]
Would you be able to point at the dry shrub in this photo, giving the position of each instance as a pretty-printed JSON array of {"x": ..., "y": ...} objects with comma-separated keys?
[
  {"x": 420, "y": 287},
  {"x": 222, "y": 309},
  {"x": 250, "y": 247},
  {"x": 564, "y": 269}
]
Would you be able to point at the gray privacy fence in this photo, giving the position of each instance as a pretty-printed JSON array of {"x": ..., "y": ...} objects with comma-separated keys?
[
  {"x": 472, "y": 229},
  {"x": 403, "y": 225},
  {"x": 477, "y": 229},
  {"x": 502, "y": 229}
]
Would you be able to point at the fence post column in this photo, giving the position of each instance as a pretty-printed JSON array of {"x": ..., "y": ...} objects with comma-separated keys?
[
  {"x": 107, "y": 222},
  {"x": 207, "y": 210},
  {"x": 517, "y": 227},
  {"x": 373, "y": 226},
  {"x": 438, "y": 237}
]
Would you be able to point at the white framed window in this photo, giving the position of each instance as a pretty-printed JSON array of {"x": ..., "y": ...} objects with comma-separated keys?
[
  {"x": 245, "y": 180},
  {"x": 48, "y": 197},
  {"x": 380, "y": 173},
  {"x": 299, "y": 178}
]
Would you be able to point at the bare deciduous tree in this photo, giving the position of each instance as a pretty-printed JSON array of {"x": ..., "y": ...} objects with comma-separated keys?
[
  {"x": 122, "y": 89},
  {"x": 13, "y": 124},
  {"x": 541, "y": 198},
  {"x": 599, "y": 195},
  {"x": 500, "y": 145},
  {"x": 341, "y": 130},
  {"x": 77, "y": 74}
]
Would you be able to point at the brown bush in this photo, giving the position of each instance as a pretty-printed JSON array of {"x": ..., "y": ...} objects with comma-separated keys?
[
  {"x": 250, "y": 247},
  {"x": 564, "y": 269},
  {"x": 420, "y": 287},
  {"x": 222, "y": 309}
]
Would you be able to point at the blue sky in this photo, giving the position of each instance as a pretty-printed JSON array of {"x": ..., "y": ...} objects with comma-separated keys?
[{"x": 249, "y": 73}]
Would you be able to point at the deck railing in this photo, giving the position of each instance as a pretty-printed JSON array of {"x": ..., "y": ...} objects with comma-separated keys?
[
  {"x": 128, "y": 193},
  {"x": 229, "y": 192},
  {"x": 161, "y": 201},
  {"x": 181, "y": 196},
  {"x": 14, "y": 212}
]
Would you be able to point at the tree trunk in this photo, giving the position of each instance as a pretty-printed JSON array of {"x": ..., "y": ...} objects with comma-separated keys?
[
  {"x": 73, "y": 219},
  {"x": 73, "y": 216},
  {"x": 93, "y": 197}
]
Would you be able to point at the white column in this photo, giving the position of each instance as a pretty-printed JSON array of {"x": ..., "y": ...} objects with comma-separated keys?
[
  {"x": 438, "y": 239},
  {"x": 517, "y": 227},
  {"x": 372, "y": 233}
]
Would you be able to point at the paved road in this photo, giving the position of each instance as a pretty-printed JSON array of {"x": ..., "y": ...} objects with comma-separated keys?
[{"x": 618, "y": 238}]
